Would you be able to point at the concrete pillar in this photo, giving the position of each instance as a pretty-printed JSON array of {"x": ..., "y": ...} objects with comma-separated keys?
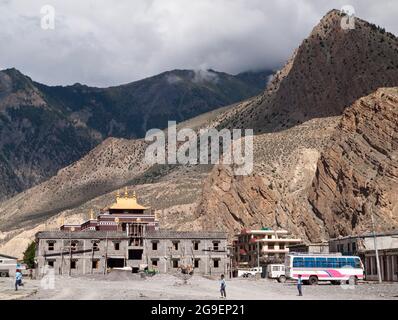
[{"x": 84, "y": 256}]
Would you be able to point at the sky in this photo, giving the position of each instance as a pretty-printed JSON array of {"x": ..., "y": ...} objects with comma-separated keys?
[{"x": 104, "y": 43}]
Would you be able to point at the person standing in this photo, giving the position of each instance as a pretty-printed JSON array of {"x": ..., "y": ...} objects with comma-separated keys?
[
  {"x": 299, "y": 285},
  {"x": 18, "y": 279},
  {"x": 222, "y": 287}
]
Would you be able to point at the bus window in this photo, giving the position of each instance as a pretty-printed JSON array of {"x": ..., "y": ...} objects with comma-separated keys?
[
  {"x": 358, "y": 263},
  {"x": 298, "y": 262},
  {"x": 309, "y": 262},
  {"x": 351, "y": 262},
  {"x": 342, "y": 262},
  {"x": 321, "y": 263},
  {"x": 332, "y": 262}
]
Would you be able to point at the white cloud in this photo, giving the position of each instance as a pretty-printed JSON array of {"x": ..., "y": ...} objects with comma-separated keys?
[{"x": 105, "y": 43}]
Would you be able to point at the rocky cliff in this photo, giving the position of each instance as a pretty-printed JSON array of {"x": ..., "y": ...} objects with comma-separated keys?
[
  {"x": 327, "y": 73},
  {"x": 358, "y": 174}
]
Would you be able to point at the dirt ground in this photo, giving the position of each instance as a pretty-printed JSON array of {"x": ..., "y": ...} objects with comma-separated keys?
[{"x": 127, "y": 286}]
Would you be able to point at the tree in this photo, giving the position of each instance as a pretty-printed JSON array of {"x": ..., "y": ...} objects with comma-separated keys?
[{"x": 29, "y": 255}]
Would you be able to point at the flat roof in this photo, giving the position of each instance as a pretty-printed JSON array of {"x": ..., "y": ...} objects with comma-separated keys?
[
  {"x": 310, "y": 244},
  {"x": 81, "y": 235},
  {"x": 367, "y": 235},
  {"x": 8, "y": 257},
  {"x": 158, "y": 234},
  {"x": 171, "y": 234}
]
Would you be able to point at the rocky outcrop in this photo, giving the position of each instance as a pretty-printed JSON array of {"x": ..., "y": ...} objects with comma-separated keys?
[
  {"x": 275, "y": 195},
  {"x": 358, "y": 173}
]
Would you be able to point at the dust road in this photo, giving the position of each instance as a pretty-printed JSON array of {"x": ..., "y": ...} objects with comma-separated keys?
[{"x": 121, "y": 286}]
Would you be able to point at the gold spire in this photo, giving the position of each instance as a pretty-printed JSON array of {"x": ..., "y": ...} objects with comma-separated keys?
[
  {"x": 91, "y": 214},
  {"x": 127, "y": 202},
  {"x": 117, "y": 194}
]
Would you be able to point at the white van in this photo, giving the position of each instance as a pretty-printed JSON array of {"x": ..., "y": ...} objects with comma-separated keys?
[{"x": 276, "y": 271}]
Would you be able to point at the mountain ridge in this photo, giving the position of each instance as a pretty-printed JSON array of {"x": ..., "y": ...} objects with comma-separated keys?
[{"x": 45, "y": 128}]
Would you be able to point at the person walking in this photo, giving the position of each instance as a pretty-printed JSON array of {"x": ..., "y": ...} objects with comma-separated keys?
[
  {"x": 299, "y": 285},
  {"x": 222, "y": 287},
  {"x": 18, "y": 279}
]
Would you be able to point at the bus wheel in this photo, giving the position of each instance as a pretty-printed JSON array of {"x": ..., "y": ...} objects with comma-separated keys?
[
  {"x": 3, "y": 274},
  {"x": 282, "y": 279},
  {"x": 313, "y": 280},
  {"x": 353, "y": 280}
]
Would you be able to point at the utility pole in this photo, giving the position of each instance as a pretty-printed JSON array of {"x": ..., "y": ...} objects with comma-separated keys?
[
  {"x": 61, "y": 271},
  {"x": 70, "y": 250},
  {"x": 106, "y": 253},
  {"x": 375, "y": 245},
  {"x": 258, "y": 253}
]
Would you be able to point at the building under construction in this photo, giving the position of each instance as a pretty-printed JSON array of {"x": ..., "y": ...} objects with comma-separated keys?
[{"x": 127, "y": 235}]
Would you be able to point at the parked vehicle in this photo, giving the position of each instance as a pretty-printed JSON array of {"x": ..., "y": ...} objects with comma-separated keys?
[
  {"x": 248, "y": 273},
  {"x": 314, "y": 268},
  {"x": 8, "y": 266},
  {"x": 276, "y": 271}
]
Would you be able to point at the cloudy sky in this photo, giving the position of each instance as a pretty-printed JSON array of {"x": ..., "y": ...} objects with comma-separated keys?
[{"x": 105, "y": 43}]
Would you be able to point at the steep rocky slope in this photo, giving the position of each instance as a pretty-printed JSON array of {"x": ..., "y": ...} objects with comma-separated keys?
[
  {"x": 330, "y": 70},
  {"x": 275, "y": 195},
  {"x": 358, "y": 173},
  {"x": 43, "y": 128},
  {"x": 36, "y": 139},
  {"x": 113, "y": 164}
]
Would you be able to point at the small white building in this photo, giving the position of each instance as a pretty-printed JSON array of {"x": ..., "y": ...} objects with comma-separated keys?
[
  {"x": 7, "y": 265},
  {"x": 363, "y": 246}
]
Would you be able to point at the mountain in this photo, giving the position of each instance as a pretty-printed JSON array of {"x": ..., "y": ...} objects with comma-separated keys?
[
  {"x": 45, "y": 128},
  {"x": 295, "y": 119},
  {"x": 357, "y": 175},
  {"x": 329, "y": 71},
  {"x": 298, "y": 121}
]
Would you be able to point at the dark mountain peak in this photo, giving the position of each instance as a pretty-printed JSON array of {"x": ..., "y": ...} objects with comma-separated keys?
[
  {"x": 15, "y": 80},
  {"x": 332, "y": 68}
]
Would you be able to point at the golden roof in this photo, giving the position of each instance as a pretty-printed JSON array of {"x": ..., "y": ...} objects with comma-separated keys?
[{"x": 127, "y": 202}]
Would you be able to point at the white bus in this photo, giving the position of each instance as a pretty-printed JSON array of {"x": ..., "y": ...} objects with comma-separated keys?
[{"x": 334, "y": 268}]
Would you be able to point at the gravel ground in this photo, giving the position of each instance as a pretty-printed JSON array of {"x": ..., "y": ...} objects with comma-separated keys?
[{"x": 126, "y": 286}]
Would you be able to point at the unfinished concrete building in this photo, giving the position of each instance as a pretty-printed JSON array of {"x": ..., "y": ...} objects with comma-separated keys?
[
  {"x": 206, "y": 252},
  {"x": 254, "y": 248}
]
